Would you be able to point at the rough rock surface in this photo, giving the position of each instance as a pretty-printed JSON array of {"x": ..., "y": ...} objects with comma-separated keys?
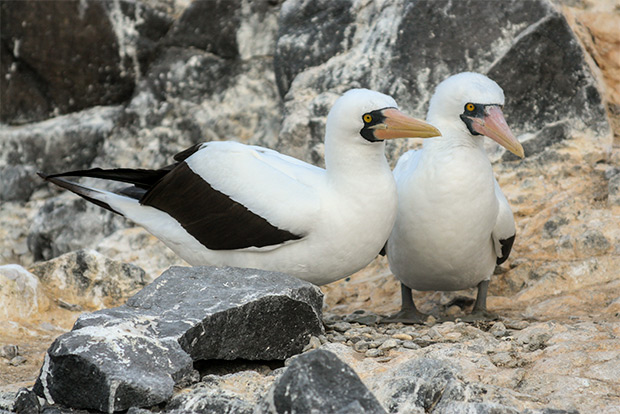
[
  {"x": 270, "y": 79},
  {"x": 401, "y": 51},
  {"x": 87, "y": 280},
  {"x": 319, "y": 382},
  {"x": 135, "y": 354},
  {"x": 62, "y": 143},
  {"x": 47, "y": 54},
  {"x": 66, "y": 223}
]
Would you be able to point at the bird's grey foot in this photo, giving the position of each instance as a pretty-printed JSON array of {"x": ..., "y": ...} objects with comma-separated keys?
[
  {"x": 408, "y": 313},
  {"x": 480, "y": 315},
  {"x": 480, "y": 312},
  {"x": 408, "y": 316}
]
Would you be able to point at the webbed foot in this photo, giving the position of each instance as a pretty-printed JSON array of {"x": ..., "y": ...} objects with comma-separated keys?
[
  {"x": 407, "y": 316},
  {"x": 480, "y": 315},
  {"x": 408, "y": 313}
]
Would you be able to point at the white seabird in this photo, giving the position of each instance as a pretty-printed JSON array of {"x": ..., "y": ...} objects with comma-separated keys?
[
  {"x": 454, "y": 224},
  {"x": 229, "y": 204}
]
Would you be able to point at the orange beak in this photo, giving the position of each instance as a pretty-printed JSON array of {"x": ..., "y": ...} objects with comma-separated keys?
[{"x": 399, "y": 125}]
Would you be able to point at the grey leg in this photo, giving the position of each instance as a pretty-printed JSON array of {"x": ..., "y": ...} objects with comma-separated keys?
[
  {"x": 480, "y": 312},
  {"x": 408, "y": 313}
]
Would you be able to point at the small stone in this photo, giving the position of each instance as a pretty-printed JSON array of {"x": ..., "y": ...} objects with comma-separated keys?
[
  {"x": 373, "y": 353},
  {"x": 402, "y": 336},
  {"x": 375, "y": 343},
  {"x": 355, "y": 339},
  {"x": 337, "y": 338},
  {"x": 518, "y": 325},
  {"x": 331, "y": 318},
  {"x": 411, "y": 345},
  {"x": 452, "y": 336},
  {"x": 498, "y": 330},
  {"x": 430, "y": 321},
  {"x": 361, "y": 346},
  {"x": 314, "y": 343},
  {"x": 9, "y": 351},
  {"x": 341, "y": 326},
  {"x": 358, "y": 330},
  {"x": 434, "y": 334},
  {"x": 18, "y": 360},
  {"x": 453, "y": 310},
  {"x": 389, "y": 344}
]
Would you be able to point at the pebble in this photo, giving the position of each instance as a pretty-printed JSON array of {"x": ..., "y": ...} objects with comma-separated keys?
[
  {"x": 9, "y": 351},
  {"x": 373, "y": 353},
  {"x": 389, "y": 344},
  {"x": 361, "y": 346},
  {"x": 411, "y": 345},
  {"x": 18, "y": 360},
  {"x": 434, "y": 334},
  {"x": 453, "y": 310},
  {"x": 355, "y": 339},
  {"x": 314, "y": 343},
  {"x": 337, "y": 338},
  {"x": 402, "y": 336},
  {"x": 359, "y": 330},
  {"x": 375, "y": 344},
  {"x": 341, "y": 326},
  {"x": 452, "y": 336},
  {"x": 518, "y": 325},
  {"x": 498, "y": 330}
]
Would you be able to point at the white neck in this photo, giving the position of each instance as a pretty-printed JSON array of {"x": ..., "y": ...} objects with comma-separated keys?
[
  {"x": 454, "y": 135},
  {"x": 345, "y": 163}
]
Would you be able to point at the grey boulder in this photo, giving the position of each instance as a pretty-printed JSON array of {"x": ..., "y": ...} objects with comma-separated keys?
[{"x": 133, "y": 355}]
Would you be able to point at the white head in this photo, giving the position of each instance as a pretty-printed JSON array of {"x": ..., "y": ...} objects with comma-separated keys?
[
  {"x": 368, "y": 117},
  {"x": 471, "y": 104}
]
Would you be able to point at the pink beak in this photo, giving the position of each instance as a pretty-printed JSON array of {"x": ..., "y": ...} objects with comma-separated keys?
[{"x": 494, "y": 126}]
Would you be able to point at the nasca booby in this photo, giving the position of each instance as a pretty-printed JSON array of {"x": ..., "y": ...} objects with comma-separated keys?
[
  {"x": 454, "y": 224},
  {"x": 229, "y": 204}
]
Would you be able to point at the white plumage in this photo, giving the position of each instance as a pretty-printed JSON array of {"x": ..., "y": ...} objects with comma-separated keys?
[
  {"x": 452, "y": 217},
  {"x": 225, "y": 203}
]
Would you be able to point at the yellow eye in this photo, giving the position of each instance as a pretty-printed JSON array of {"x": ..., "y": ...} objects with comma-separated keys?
[
  {"x": 470, "y": 107},
  {"x": 367, "y": 118}
]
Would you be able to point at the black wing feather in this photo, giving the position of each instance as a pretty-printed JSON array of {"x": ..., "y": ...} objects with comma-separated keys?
[
  {"x": 213, "y": 218},
  {"x": 506, "y": 248}
]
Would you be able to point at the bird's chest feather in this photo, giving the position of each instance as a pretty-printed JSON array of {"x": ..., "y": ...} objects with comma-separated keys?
[
  {"x": 453, "y": 194},
  {"x": 363, "y": 212}
]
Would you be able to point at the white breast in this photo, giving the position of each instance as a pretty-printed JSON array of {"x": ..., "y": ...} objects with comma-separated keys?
[{"x": 447, "y": 210}]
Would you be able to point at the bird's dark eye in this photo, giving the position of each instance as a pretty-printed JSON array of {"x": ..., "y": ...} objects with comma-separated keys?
[
  {"x": 470, "y": 107},
  {"x": 367, "y": 118}
]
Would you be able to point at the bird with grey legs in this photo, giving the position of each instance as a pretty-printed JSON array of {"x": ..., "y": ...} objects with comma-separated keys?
[{"x": 453, "y": 224}]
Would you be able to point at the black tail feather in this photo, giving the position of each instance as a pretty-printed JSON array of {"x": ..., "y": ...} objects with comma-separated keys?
[
  {"x": 138, "y": 177},
  {"x": 84, "y": 192}
]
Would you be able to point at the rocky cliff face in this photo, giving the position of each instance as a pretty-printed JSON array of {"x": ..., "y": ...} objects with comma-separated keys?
[{"x": 127, "y": 83}]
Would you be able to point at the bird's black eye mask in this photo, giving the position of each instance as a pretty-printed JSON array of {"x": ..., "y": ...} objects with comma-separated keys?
[
  {"x": 473, "y": 110},
  {"x": 371, "y": 119}
]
